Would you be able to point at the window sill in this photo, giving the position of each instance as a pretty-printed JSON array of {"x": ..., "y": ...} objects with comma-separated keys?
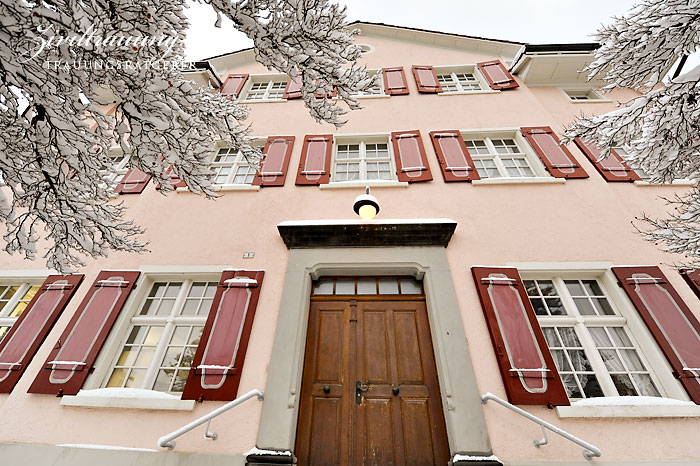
[
  {"x": 260, "y": 101},
  {"x": 684, "y": 182},
  {"x": 666, "y": 408},
  {"x": 531, "y": 180},
  {"x": 362, "y": 184},
  {"x": 226, "y": 187},
  {"x": 130, "y": 398},
  {"x": 483, "y": 91},
  {"x": 590, "y": 101},
  {"x": 375, "y": 96}
]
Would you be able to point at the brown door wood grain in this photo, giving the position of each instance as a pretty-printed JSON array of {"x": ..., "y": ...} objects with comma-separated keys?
[{"x": 386, "y": 346}]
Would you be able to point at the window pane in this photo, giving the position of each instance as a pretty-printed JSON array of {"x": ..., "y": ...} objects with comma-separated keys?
[
  {"x": 574, "y": 287},
  {"x": 623, "y": 383},
  {"x": 551, "y": 336},
  {"x": 644, "y": 385},
  {"x": 117, "y": 378},
  {"x": 410, "y": 286},
  {"x": 590, "y": 385},
  {"x": 135, "y": 379},
  {"x": 555, "y": 306},
  {"x": 367, "y": 286},
  {"x": 344, "y": 286},
  {"x": 323, "y": 287},
  {"x": 388, "y": 286},
  {"x": 584, "y": 306},
  {"x": 538, "y": 306}
]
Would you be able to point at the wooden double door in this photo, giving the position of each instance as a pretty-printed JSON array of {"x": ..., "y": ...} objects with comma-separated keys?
[{"x": 370, "y": 393}]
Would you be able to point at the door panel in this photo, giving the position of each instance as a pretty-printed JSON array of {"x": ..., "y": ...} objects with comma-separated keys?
[
  {"x": 325, "y": 418},
  {"x": 386, "y": 346}
]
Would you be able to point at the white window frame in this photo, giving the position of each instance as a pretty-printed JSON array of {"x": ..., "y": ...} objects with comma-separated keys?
[
  {"x": 24, "y": 286},
  {"x": 380, "y": 86},
  {"x": 655, "y": 361},
  {"x": 470, "y": 69},
  {"x": 238, "y": 162},
  {"x": 540, "y": 174},
  {"x": 362, "y": 141},
  {"x": 575, "y": 94},
  {"x": 91, "y": 394},
  {"x": 119, "y": 169},
  {"x": 263, "y": 78},
  {"x": 169, "y": 323},
  {"x": 622, "y": 151}
]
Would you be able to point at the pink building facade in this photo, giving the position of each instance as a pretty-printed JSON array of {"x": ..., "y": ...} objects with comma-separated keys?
[{"x": 500, "y": 262}]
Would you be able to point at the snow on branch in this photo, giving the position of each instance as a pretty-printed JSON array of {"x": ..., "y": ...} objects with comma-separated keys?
[
  {"x": 80, "y": 78},
  {"x": 660, "y": 129}
]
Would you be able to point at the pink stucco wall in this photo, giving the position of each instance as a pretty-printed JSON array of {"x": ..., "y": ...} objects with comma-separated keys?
[{"x": 581, "y": 220}]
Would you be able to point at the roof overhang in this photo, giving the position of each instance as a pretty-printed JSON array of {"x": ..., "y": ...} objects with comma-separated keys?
[{"x": 553, "y": 64}]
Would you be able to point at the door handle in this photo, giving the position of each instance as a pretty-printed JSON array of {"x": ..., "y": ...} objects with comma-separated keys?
[{"x": 359, "y": 388}]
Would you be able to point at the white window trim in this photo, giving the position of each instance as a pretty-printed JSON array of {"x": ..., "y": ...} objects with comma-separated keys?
[
  {"x": 256, "y": 142},
  {"x": 362, "y": 184},
  {"x": 85, "y": 399},
  {"x": 114, "y": 342},
  {"x": 24, "y": 283},
  {"x": 381, "y": 95},
  {"x": 256, "y": 78},
  {"x": 600, "y": 97},
  {"x": 542, "y": 176},
  {"x": 369, "y": 48},
  {"x": 657, "y": 364},
  {"x": 679, "y": 182},
  {"x": 629, "y": 411},
  {"x": 473, "y": 69},
  {"x": 645, "y": 183},
  {"x": 362, "y": 139}
]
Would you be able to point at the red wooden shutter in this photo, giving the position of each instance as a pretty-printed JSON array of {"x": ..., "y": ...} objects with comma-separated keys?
[
  {"x": 497, "y": 75},
  {"x": 72, "y": 357},
  {"x": 134, "y": 182},
  {"x": 234, "y": 84},
  {"x": 411, "y": 162},
  {"x": 613, "y": 168},
  {"x": 670, "y": 321},
  {"x": 293, "y": 89},
  {"x": 24, "y": 338},
  {"x": 395, "y": 81},
  {"x": 556, "y": 158},
  {"x": 692, "y": 277},
  {"x": 175, "y": 181},
  {"x": 218, "y": 362},
  {"x": 455, "y": 162},
  {"x": 426, "y": 79},
  {"x": 529, "y": 374},
  {"x": 315, "y": 163},
  {"x": 277, "y": 152}
]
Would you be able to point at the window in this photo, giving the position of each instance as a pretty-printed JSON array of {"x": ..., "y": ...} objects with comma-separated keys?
[
  {"x": 368, "y": 159},
  {"x": 231, "y": 168},
  {"x": 377, "y": 89},
  {"x": 265, "y": 88},
  {"x": 460, "y": 79},
  {"x": 118, "y": 166},
  {"x": 589, "y": 340},
  {"x": 639, "y": 171},
  {"x": 583, "y": 94},
  {"x": 163, "y": 336},
  {"x": 499, "y": 157},
  {"x": 14, "y": 298}
]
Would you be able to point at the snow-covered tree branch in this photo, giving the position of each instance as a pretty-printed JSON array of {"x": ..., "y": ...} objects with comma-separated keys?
[
  {"x": 661, "y": 127},
  {"x": 79, "y": 78}
]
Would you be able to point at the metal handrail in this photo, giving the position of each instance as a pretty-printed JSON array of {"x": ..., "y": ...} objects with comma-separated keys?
[
  {"x": 167, "y": 441},
  {"x": 589, "y": 450}
]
